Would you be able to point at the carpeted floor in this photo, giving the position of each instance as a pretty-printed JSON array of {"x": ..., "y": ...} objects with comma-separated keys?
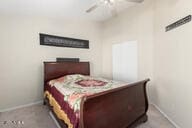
[{"x": 37, "y": 116}]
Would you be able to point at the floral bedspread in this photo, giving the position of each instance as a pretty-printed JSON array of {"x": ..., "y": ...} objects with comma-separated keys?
[{"x": 74, "y": 87}]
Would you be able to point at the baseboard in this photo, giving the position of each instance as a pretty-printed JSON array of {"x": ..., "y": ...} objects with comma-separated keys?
[
  {"x": 22, "y": 106},
  {"x": 165, "y": 115}
]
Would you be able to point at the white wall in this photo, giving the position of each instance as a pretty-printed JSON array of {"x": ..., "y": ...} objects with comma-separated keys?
[
  {"x": 21, "y": 67},
  {"x": 173, "y": 61},
  {"x": 136, "y": 24}
]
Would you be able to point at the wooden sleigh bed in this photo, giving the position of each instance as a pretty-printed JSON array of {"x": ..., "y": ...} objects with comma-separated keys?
[{"x": 116, "y": 108}]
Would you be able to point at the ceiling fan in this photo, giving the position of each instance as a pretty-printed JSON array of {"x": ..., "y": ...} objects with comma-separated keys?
[{"x": 110, "y": 3}]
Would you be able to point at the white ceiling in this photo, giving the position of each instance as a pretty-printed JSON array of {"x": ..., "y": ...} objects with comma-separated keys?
[{"x": 60, "y": 8}]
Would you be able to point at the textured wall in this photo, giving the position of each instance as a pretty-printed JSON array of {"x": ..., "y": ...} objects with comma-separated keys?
[
  {"x": 172, "y": 61},
  {"x": 22, "y": 57}
]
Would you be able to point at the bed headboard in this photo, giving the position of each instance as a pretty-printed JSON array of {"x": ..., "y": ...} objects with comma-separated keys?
[{"x": 53, "y": 70}]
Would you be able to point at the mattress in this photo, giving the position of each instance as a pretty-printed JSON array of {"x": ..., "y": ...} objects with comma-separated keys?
[{"x": 65, "y": 94}]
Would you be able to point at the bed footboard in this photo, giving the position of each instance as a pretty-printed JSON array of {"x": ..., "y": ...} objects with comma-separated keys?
[{"x": 118, "y": 108}]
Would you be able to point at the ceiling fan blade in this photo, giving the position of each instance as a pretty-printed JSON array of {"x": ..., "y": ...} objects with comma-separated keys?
[
  {"x": 135, "y": 1},
  {"x": 92, "y": 8}
]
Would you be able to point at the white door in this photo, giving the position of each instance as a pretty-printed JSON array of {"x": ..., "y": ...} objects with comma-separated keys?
[{"x": 125, "y": 63}]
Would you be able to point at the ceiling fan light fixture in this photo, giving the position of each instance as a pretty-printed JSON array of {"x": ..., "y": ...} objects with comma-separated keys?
[
  {"x": 110, "y": 3},
  {"x": 107, "y": 1}
]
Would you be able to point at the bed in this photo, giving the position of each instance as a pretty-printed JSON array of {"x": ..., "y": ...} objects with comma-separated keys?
[{"x": 118, "y": 107}]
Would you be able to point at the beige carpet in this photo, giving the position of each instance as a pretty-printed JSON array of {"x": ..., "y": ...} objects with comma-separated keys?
[{"x": 38, "y": 117}]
